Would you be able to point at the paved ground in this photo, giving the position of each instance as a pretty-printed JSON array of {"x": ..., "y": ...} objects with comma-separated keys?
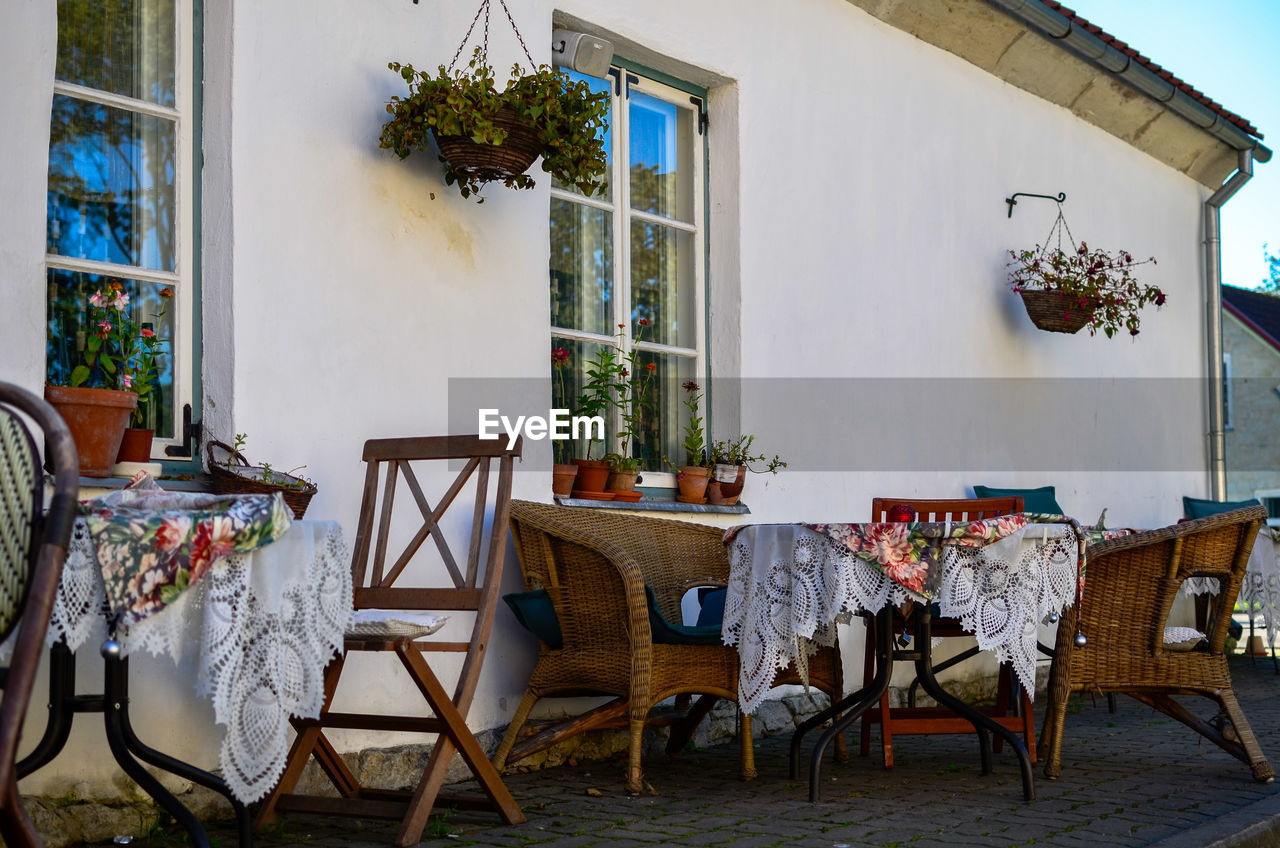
[{"x": 1130, "y": 779}]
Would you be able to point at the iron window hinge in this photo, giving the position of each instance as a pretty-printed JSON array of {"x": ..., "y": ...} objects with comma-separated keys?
[
  {"x": 703, "y": 120},
  {"x": 190, "y": 436}
]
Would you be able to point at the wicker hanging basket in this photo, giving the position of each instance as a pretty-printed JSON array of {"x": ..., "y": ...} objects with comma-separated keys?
[
  {"x": 235, "y": 476},
  {"x": 488, "y": 162},
  {"x": 1057, "y": 312}
]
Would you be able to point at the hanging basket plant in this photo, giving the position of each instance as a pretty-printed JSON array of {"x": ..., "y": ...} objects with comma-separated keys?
[
  {"x": 486, "y": 135},
  {"x": 1065, "y": 291}
]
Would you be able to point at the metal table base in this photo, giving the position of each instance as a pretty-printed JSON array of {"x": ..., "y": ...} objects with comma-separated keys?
[
  {"x": 113, "y": 703},
  {"x": 851, "y": 708}
]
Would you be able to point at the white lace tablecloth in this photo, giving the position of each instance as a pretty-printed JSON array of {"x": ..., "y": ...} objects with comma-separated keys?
[
  {"x": 789, "y": 586},
  {"x": 1261, "y": 586},
  {"x": 263, "y": 627}
]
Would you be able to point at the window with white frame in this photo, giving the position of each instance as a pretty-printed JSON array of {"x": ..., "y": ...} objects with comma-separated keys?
[
  {"x": 630, "y": 264},
  {"x": 121, "y": 186}
]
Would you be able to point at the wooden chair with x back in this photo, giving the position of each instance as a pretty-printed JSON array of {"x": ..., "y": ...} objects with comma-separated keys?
[{"x": 381, "y": 582}]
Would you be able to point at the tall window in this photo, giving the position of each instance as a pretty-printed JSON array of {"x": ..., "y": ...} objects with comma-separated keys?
[
  {"x": 120, "y": 202},
  {"x": 637, "y": 252}
]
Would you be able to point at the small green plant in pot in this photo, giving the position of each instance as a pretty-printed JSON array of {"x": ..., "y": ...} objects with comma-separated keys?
[
  {"x": 731, "y": 459},
  {"x": 486, "y": 135}
]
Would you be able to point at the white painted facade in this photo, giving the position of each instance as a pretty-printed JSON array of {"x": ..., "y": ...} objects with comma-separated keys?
[{"x": 857, "y": 229}]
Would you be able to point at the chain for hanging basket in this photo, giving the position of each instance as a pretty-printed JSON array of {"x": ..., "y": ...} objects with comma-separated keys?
[{"x": 484, "y": 44}]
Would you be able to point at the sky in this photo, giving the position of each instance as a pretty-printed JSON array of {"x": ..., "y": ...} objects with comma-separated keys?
[{"x": 1227, "y": 49}]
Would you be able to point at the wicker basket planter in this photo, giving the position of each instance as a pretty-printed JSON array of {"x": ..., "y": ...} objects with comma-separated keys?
[
  {"x": 235, "y": 476},
  {"x": 488, "y": 162},
  {"x": 1057, "y": 312}
]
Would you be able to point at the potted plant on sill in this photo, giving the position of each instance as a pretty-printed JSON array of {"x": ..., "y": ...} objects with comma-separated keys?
[
  {"x": 564, "y": 472},
  {"x": 99, "y": 397},
  {"x": 487, "y": 135},
  {"x": 694, "y": 475},
  {"x": 632, "y": 397},
  {"x": 1064, "y": 291},
  {"x": 145, "y": 349},
  {"x": 731, "y": 459}
]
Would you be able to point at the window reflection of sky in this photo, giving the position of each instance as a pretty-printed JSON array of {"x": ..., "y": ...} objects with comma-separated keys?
[
  {"x": 653, "y": 133},
  {"x": 103, "y": 203}
]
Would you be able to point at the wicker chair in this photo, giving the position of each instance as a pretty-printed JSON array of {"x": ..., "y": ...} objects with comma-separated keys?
[
  {"x": 595, "y": 565},
  {"x": 33, "y": 546},
  {"x": 1130, "y": 587}
]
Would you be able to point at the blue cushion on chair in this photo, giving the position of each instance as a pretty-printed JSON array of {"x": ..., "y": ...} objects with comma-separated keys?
[
  {"x": 536, "y": 614},
  {"x": 1033, "y": 500},
  {"x": 711, "y": 611},
  {"x": 1198, "y": 508},
  {"x": 666, "y": 633}
]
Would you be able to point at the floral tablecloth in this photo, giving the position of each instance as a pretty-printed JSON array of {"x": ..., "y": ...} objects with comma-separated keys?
[
  {"x": 264, "y": 608},
  {"x": 791, "y": 584}
]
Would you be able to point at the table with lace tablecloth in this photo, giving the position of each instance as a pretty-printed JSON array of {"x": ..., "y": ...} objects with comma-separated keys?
[
  {"x": 259, "y": 612},
  {"x": 791, "y": 584}
]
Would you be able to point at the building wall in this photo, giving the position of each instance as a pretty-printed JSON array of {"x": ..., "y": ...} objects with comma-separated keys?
[
  {"x": 1253, "y": 449},
  {"x": 858, "y": 231}
]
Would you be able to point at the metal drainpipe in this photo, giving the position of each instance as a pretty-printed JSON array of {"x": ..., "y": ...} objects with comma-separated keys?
[{"x": 1213, "y": 311}]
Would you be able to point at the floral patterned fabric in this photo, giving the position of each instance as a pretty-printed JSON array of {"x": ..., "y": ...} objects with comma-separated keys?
[
  {"x": 908, "y": 552},
  {"x": 152, "y": 545}
]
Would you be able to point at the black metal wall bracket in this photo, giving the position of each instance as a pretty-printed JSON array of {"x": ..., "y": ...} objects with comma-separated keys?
[{"x": 1012, "y": 200}]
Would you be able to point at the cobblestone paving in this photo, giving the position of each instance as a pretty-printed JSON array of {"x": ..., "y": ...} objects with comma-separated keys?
[{"x": 1129, "y": 779}]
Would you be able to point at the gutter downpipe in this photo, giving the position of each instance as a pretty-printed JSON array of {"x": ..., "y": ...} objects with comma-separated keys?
[{"x": 1213, "y": 316}]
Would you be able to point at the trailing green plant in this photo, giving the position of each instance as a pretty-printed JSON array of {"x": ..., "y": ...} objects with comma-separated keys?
[
  {"x": 567, "y": 117},
  {"x": 738, "y": 452}
]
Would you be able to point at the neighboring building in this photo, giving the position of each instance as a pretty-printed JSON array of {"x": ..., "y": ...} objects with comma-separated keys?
[
  {"x": 845, "y": 222},
  {"x": 1251, "y": 351}
]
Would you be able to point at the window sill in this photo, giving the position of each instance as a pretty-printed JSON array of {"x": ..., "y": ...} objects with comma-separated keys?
[{"x": 652, "y": 504}]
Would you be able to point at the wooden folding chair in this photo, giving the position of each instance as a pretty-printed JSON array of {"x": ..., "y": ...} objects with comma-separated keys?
[
  {"x": 937, "y": 720},
  {"x": 33, "y": 546},
  {"x": 473, "y": 590}
]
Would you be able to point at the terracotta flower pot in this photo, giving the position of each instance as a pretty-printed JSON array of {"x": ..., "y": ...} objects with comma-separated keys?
[
  {"x": 621, "y": 481},
  {"x": 562, "y": 479},
  {"x": 97, "y": 419},
  {"x": 693, "y": 481},
  {"x": 136, "y": 445},
  {"x": 731, "y": 479},
  {"x": 592, "y": 474}
]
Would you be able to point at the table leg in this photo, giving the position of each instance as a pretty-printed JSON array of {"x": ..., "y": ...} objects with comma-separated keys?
[
  {"x": 850, "y": 709},
  {"x": 62, "y": 709},
  {"x": 118, "y": 683},
  {"x": 981, "y": 723}
]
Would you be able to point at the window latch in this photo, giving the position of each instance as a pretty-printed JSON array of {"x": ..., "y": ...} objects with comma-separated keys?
[{"x": 190, "y": 436}]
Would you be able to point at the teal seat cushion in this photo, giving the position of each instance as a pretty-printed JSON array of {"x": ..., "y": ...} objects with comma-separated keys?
[
  {"x": 536, "y": 614},
  {"x": 1033, "y": 500},
  {"x": 666, "y": 633},
  {"x": 1198, "y": 508}
]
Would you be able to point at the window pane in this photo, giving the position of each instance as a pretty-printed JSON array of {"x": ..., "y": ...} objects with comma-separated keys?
[
  {"x": 111, "y": 195},
  {"x": 606, "y": 85},
  {"x": 581, "y": 267},
  {"x": 662, "y": 281},
  {"x": 568, "y": 376},
  {"x": 666, "y": 415},
  {"x": 120, "y": 46},
  {"x": 69, "y": 319},
  {"x": 661, "y": 140}
]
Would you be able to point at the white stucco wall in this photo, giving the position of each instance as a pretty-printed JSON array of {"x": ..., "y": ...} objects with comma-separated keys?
[{"x": 858, "y": 230}]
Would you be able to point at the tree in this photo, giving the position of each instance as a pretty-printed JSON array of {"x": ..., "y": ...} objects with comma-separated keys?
[{"x": 1272, "y": 283}]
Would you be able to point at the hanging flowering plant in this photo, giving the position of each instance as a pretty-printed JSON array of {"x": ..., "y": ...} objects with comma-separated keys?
[{"x": 1098, "y": 283}]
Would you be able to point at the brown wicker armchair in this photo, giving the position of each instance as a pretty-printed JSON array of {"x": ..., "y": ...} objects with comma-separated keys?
[
  {"x": 595, "y": 565},
  {"x": 1130, "y": 587}
]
